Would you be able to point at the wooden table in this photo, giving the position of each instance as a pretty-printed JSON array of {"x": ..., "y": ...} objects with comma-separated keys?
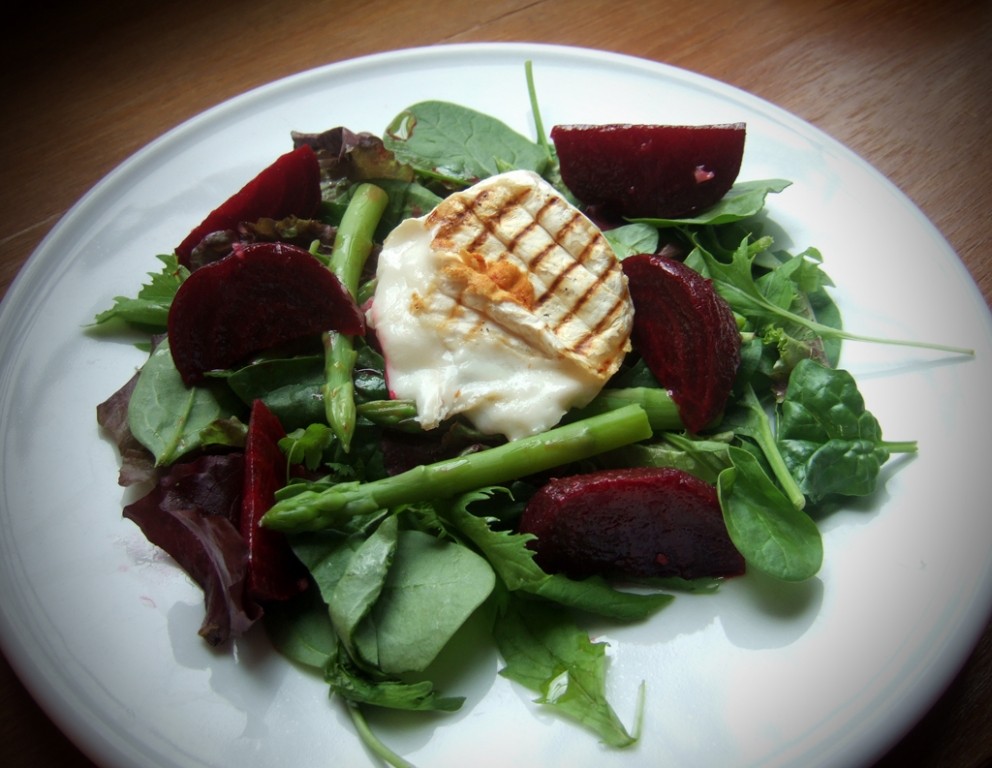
[{"x": 905, "y": 84}]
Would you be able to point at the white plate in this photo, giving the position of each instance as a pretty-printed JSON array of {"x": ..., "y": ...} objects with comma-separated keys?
[{"x": 102, "y": 627}]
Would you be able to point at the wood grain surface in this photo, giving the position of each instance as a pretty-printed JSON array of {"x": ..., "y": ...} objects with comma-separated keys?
[{"x": 907, "y": 85}]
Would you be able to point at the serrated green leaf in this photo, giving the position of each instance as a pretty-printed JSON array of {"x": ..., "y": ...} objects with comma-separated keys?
[
  {"x": 547, "y": 653},
  {"x": 150, "y": 308},
  {"x": 513, "y": 561}
]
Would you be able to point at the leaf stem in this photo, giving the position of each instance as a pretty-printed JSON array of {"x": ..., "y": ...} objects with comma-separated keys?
[
  {"x": 764, "y": 435},
  {"x": 542, "y": 138},
  {"x": 827, "y": 331},
  {"x": 899, "y": 446},
  {"x": 373, "y": 742}
]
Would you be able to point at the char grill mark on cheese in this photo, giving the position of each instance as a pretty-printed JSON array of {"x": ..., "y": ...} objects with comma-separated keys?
[
  {"x": 605, "y": 322},
  {"x": 504, "y": 304},
  {"x": 461, "y": 212},
  {"x": 535, "y": 263},
  {"x": 486, "y": 223},
  {"x": 551, "y": 291}
]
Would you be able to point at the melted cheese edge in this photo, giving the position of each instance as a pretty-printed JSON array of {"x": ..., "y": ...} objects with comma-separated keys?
[{"x": 504, "y": 304}]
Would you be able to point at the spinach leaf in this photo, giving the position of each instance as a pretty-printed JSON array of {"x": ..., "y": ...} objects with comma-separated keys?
[
  {"x": 171, "y": 419},
  {"x": 704, "y": 458},
  {"x": 326, "y": 554},
  {"x": 751, "y": 419},
  {"x": 307, "y": 633},
  {"x": 395, "y": 596},
  {"x": 358, "y": 588},
  {"x": 547, "y": 653},
  {"x": 458, "y": 145},
  {"x": 290, "y": 387},
  {"x": 432, "y": 588},
  {"x": 596, "y": 595},
  {"x": 632, "y": 239},
  {"x": 830, "y": 442},
  {"x": 744, "y": 200},
  {"x": 767, "y": 529},
  {"x": 301, "y": 629}
]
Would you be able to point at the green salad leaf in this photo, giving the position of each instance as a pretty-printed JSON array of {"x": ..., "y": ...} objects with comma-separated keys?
[
  {"x": 764, "y": 525},
  {"x": 830, "y": 442},
  {"x": 171, "y": 419},
  {"x": 150, "y": 308},
  {"x": 744, "y": 200},
  {"x": 547, "y": 653},
  {"x": 432, "y": 588},
  {"x": 458, "y": 145}
]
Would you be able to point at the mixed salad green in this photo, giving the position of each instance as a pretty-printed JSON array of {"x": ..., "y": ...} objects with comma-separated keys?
[{"x": 404, "y": 536}]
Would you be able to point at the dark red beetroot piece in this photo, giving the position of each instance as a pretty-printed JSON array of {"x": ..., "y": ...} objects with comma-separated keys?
[
  {"x": 260, "y": 296},
  {"x": 649, "y": 171},
  {"x": 637, "y": 522},
  {"x": 288, "y": 187},
  {"x": 686, "y": 333},
  {"x": 274, "y": 572}
]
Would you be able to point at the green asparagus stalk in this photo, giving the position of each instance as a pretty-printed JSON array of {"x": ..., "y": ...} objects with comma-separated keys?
[
  {"x": 663, "y": 413},
  {"x": 395, "y": 414},
  {"x": 352, "y": 246},
  {"x": 315, "y": 510}
]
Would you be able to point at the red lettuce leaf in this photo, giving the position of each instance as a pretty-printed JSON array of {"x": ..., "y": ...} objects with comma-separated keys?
[
  {"x": 192, "y": 515},
  {"x": 345, "y": 154},
  {"x": 137, "y": 462}
]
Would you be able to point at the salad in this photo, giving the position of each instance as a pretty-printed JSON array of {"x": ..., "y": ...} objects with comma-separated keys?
[{"x": 297, "y": 487}]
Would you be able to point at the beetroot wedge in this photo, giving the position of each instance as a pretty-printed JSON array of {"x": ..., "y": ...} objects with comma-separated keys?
[
  {"x": 637, "y": 522},
  {"x": 260, "y": 296},
  {"x": 274, "y": 572},
  {"x": 649, "y": 171},
  {"x": 686, "y": 333},
  {"x": 288, "y": 187}
]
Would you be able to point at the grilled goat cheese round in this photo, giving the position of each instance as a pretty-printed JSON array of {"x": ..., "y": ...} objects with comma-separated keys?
[{"x": 504, "y": 304}]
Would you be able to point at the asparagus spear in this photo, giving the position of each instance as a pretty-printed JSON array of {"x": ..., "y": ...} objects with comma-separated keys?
[
  {"x": 352, "y": 246},
  {"x": 314, "y": 510},
  {"x": 396, "y": 414},
  {"x": 663, "y": 413}
]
